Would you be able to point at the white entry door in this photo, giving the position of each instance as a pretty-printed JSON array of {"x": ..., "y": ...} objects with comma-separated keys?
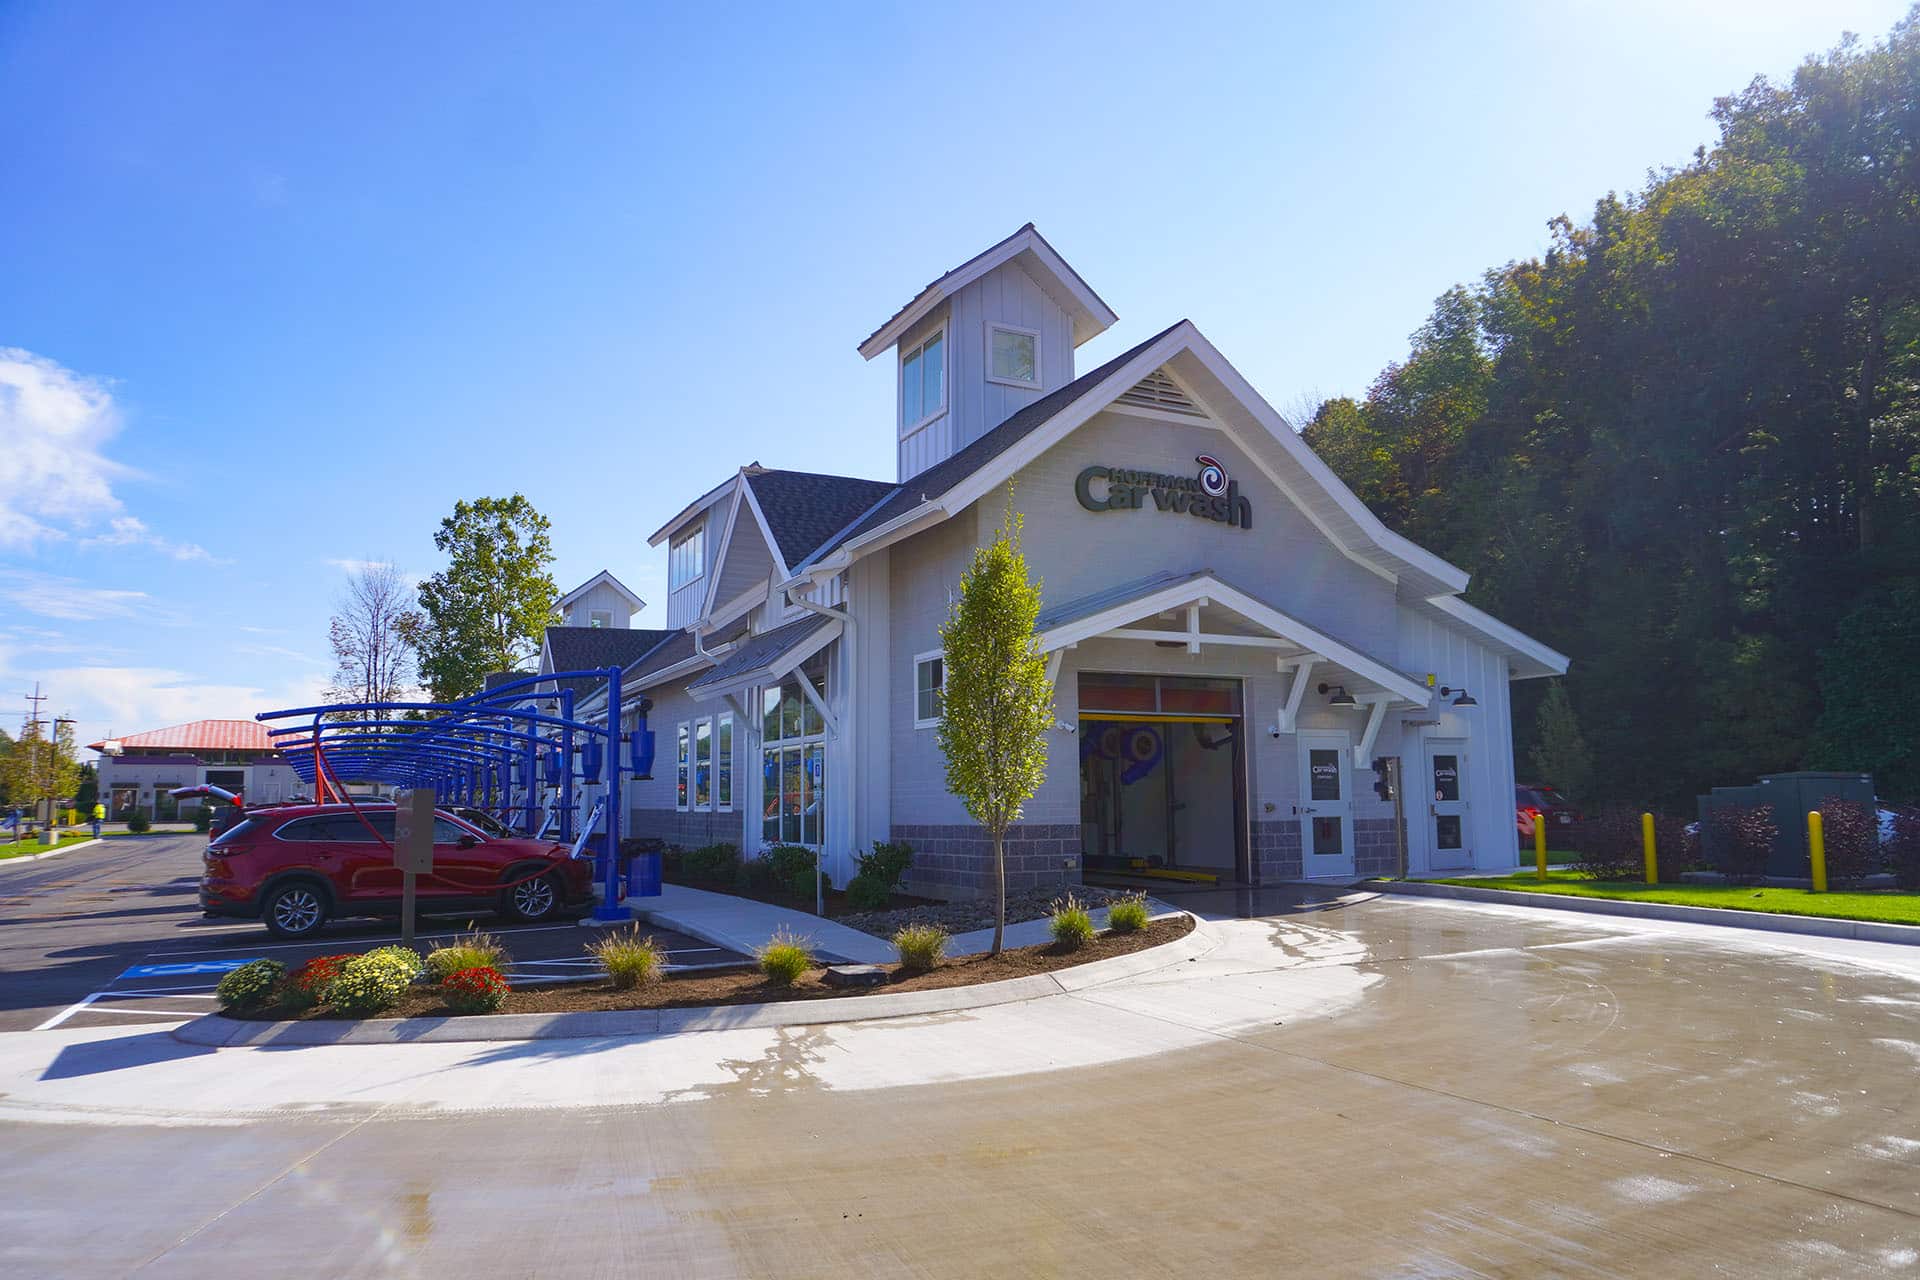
[
  {"x": 1326, "y": 804},
  {"x": 1448, "y": 820}
]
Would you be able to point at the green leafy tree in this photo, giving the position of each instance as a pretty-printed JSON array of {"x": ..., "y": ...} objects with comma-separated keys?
[
  {"x": 6, "y": 750},
  {"x": 33, "y": 770},
  {"x": 1560, "y": 757},
  {"x": 1871, "y": 668},
  {"x": 997, "y": 703},
  {"x": 488, "y": 610}
]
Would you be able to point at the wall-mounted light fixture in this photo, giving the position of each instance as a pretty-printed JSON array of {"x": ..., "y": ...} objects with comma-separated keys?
[
  {"x": 1464, "y": 700},
  {"x": 1340, "y": 698}
]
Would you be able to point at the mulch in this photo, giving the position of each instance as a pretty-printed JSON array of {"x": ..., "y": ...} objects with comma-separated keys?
[
  {"x": 966, "y": 915},
  {"x": 749, "y": 987}
]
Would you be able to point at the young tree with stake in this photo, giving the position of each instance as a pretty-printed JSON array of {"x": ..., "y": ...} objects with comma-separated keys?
[{"x": 997, "y": 703}]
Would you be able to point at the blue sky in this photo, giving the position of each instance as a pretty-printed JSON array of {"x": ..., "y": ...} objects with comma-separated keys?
[{"x": 280, "y": 283}]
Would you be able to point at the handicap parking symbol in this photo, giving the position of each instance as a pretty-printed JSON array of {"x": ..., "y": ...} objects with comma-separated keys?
[{"x": 183, "y": 970}]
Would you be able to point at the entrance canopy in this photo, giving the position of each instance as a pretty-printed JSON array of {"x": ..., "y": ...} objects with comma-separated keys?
[{"x": 1198, "y": 610}]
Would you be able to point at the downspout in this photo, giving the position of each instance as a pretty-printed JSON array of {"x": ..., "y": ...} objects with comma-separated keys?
[{"x": 848, "y": 633}]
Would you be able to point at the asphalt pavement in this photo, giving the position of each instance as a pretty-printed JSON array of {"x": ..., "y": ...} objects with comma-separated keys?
[{"x": 113, "y": 934}]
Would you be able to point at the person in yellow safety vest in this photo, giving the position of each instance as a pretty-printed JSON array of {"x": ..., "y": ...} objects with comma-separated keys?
[{"x": 99, "y": 816}]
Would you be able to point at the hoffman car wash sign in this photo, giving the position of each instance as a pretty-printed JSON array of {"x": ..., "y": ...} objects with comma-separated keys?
[{"x": 1211, "y": 495}]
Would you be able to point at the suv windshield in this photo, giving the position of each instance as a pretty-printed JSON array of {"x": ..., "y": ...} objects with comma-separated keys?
[{"x": 1543, "y": 798}]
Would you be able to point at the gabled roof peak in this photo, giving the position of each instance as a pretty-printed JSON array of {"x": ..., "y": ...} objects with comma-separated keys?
[{"x": 1049, "y": 270}]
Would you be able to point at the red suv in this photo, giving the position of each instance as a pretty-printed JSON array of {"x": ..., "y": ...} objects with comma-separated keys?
[{"x": 297, "y": 866}]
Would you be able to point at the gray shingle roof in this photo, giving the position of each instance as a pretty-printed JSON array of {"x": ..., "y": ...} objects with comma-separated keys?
[
  {"x": 585, "y": 648},
  {"x": 805, "y": 508},
  {"x": 1088, "y": 605},
  {"x": 758, "y": 651}
]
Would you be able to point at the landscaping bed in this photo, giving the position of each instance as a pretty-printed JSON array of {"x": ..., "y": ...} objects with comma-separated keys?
[
  {"x": 752, "y": 987},
  {"x": 1881, "y": 906}
]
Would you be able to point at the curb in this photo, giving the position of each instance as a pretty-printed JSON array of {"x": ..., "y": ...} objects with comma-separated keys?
[
  {"x": 218, "y": 1031},
  {"x": 1758, "y": 921},
  {"x": 51, "y": 853}
]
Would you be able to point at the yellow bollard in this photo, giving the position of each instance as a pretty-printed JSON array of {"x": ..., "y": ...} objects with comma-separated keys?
[
  {"x": 1540, "y": 846},
  {"x": 1817, "y": 850},
  {"x": 1646, "y": 842}
]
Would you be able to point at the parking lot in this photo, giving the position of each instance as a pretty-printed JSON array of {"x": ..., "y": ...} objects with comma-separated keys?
[{"x": 113, "y": 933}]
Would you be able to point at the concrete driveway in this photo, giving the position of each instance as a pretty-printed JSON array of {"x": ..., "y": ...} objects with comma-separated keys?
[{"x": 1343, "y": 1086}]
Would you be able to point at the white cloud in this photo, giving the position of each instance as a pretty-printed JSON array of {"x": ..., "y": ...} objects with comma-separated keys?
[
  {"x": 125, "y": 700},
  {"x": 131, "y": 531},
  {"x": 55, "y": 423},
  {"x": 55, "y": 478},
  {"x": 352, "y": 567},
  {"x": 68, "y": 599}
]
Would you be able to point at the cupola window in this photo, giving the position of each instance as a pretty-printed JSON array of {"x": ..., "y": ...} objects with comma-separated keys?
[
  {"x": 923, "y": 381},
  {"x": 1013, "y": 355}
]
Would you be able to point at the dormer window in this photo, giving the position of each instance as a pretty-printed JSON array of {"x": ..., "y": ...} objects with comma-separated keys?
[
  {"x": 600, "y": 618},
  {"x": 1013, "y": 355},
  {"x": 686, "y": 559},
  {"x": 923, "y": 381}
]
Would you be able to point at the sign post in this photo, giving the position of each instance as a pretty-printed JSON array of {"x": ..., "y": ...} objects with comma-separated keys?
[{"x": 412, "y": 848}]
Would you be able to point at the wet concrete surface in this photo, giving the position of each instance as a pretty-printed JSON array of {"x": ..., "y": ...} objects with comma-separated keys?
[{"x": 1344, "y": 1086}]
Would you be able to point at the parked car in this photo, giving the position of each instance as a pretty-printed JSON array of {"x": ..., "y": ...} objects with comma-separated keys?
[
  {"x": 1531, "y": 800},
  {"x": 295, "y": 867}
]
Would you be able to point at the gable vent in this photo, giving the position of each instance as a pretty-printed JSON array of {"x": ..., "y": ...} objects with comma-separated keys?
[{"x": 1162, "y": 394}]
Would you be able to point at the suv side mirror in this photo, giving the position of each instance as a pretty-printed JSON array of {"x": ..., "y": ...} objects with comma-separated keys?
[{"x": 467, "y": 842}]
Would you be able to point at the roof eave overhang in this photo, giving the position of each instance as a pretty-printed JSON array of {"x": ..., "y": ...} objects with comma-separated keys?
[
  {"x": 1528, "y": 659},
  {"x": 1187, "y": 591},
  {"x": 693, "y": 509},
  {"x": 774, "y": 668}
]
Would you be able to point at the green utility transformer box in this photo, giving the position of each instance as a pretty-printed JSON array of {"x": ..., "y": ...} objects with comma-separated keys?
[{"x": 1791, "y": 796}]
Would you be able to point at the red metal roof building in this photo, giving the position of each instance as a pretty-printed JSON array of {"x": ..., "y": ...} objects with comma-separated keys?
[{"x": 195, "y": 738}]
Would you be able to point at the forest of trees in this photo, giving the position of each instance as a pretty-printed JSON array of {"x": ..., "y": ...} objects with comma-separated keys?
[{"x": 1683, "y": 447}]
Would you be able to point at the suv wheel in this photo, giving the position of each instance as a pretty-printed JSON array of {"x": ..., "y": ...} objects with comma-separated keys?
[
  {"x": 295, "y": 910},
  {"x": 534, "y": 899}
]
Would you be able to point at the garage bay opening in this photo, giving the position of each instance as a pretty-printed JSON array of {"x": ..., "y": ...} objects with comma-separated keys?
[{"x": 1162, "y": 777}]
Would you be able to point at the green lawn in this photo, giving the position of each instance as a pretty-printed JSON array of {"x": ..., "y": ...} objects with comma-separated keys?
[
  {"x": 1887, "y": 906},
  {"x": 17, "y": 848}
]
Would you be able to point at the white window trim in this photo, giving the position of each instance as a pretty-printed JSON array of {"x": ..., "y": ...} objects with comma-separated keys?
[
  {"x": 701, "y": 567},
  {"x": 1013, "y": 382},
  {"x": 693, "y": 774},
  {"x": 919, "y": 658},
  {"x": 946, "y": 380},
  {"x": 683, "y": 768},
  {"x": 733, "y": 732}
]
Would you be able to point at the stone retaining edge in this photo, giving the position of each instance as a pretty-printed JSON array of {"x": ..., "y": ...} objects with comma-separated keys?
[
  {"x": 218, "y": 1031},
  {"x": 1760, "y": 921}
]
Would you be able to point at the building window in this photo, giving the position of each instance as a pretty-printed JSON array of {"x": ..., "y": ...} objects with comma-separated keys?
[
  {"x": 793, "y": 760},
  {"x": 1013, "y": 355},
  {"x": 600, "y": 618},
  {"x": 703, "y": 764},
  {"x": 680, "y": 769},
  {"x": 723, "y": 762},
  {"x": 687, "y": 559},
  {"x": 923, "y": 381},
  {"x": 929, "y": 687}
]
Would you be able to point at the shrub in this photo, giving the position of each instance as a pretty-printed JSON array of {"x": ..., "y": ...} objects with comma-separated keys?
[
  {"x": 785, "y": 958},
  {"x": 311, "y": 981},
  {"x": 1903, "y": 848},
  {"x": 630, "y": 959},
  {"x": 1741, "y": 837},
  {"x": 752, "y": 877},
  {"x": 1128, "y": 914},
  {"x": 888, "y": 863},
  {"x": 371, "y": 983},
  {"x": 1071, "y": 926},
  {"x": 710, "y": 864},
  {"x": 401, "y": 957},
  {"x": 921, "y": 946},
  {"x": 473, "y": 950},
  {"x": 793, "y": 868},
  {"x": 480, "y": 989},
  {"x": 203, "y": 818},
  {"x": 868, "y": 893},
  {"x": 137, "y": 823},
  {"x": 249, "y": 986},
  {"x": 1677, "y": 849},
  {"x": 1610, "y": 847},
  {"x": 1852, "y": 832}
]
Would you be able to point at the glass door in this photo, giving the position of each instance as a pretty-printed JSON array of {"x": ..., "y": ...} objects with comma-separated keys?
[
  {"x": 1325, "y": 807},
  {"x": 1447, "y": 810}
]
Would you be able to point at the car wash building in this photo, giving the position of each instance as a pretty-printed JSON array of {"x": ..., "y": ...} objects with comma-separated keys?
[{"x": 1233, "y": 636}]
